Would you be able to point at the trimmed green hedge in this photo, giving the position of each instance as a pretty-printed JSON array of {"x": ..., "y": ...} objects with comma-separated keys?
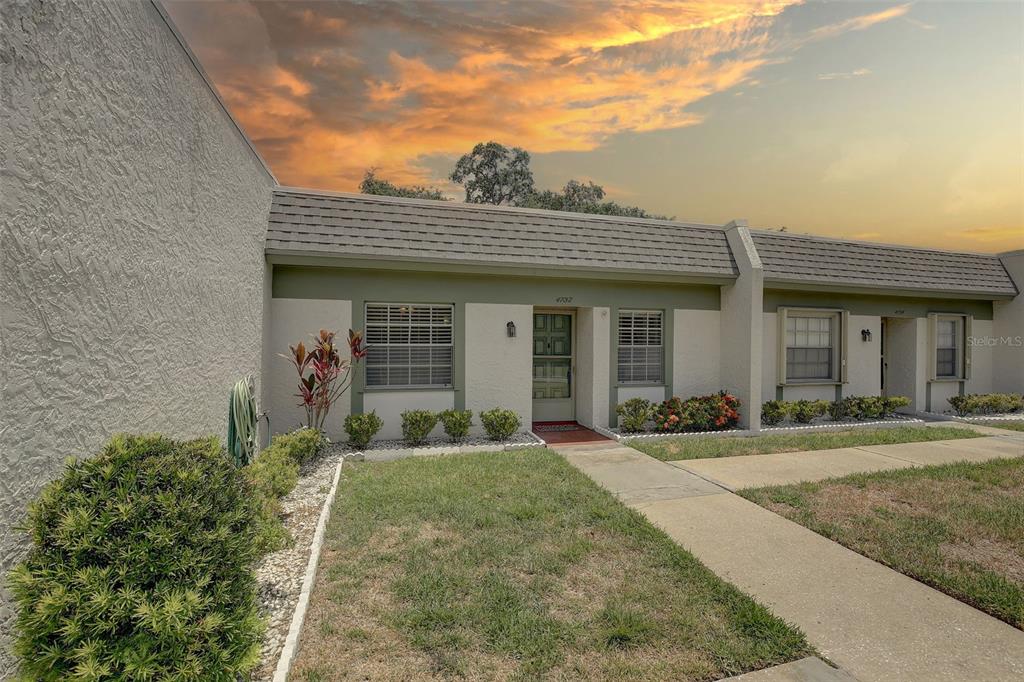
[
  {"x": 987, "y": 403},
  {"x": 141, "y": 567}
]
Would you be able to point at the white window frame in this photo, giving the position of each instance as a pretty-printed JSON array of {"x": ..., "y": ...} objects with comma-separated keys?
[
  {"x": 962, "y": 332},
  {"x": 648, "y": 378},
  {"x": 838, "y": 331},
  {"x": 432, "y": 332}
]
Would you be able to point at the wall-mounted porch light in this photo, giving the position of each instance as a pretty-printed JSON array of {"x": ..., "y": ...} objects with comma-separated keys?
[
  {"x": 865, "y": 334},
  {"x": 510, "y": 329}
]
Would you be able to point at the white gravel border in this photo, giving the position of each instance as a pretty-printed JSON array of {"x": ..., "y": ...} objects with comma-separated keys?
[
  {"x": 531, "y": 440},
  {"x": 291, "y": 643}
]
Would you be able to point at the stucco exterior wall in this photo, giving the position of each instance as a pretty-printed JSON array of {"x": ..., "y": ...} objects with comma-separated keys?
[
  {"x": 696, "y": 340},
  {"x": 983, "y": 369},
  {"x": 132, "y": 225},
  {"x": 499, "y": 370},
  {"x": 863, "y": 358},
  {"x": 655, "y": 394},
  {"x": 292, "y": 320},
  {"x": 906, "y": 357},
  {"x": 1008, "y": 331},
  {"x": 742, "y": 306},
  {"x": 389, "y": 404},
  {"x": 593, "y": 336}
]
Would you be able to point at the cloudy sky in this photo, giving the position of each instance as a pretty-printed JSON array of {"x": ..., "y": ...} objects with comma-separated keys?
[{"x": 878, "y": 121}]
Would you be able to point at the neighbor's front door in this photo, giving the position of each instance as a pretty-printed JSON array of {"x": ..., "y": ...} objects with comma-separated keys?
[{"x": 552, "y": 367}]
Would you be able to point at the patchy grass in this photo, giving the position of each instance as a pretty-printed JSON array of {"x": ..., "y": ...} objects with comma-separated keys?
[
  {"x": 691, "y": 447},
  {"x": 957, "y": 527},
  {"x": 1010, "y": 425},
  {"x": 516, "y": 566}
]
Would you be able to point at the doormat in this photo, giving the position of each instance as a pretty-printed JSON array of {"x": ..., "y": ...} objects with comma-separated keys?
[{"x": 550, "y": 428}]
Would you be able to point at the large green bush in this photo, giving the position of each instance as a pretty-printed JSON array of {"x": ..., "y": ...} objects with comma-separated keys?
[
  {"x": 417, "y": 425},
  {"x": 774, "y": 412},
  {"x": 273, "y": 472},
  {"x": 634, "y": 414},
  {"x": 456, "y": 424},
  {"x": 499, "y": 423},
  {"x": 361, "y": 428},
  {"x": 141, "y": 567}
]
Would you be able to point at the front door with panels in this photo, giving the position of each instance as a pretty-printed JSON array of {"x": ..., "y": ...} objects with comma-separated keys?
[{"x": 552, "y": 367}]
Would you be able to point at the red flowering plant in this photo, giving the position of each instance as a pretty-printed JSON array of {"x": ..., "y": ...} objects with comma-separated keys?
[
  {"x": 324, "y": 376},
  {"x": 700, "y": 413}
]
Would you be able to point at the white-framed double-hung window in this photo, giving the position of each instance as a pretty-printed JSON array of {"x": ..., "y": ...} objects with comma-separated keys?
[
  {"x": 812, "y": 346},
  {"x": 950, "y": 352},
  {"x": 641, "y": 347},
  {"x": 409, "y": 345}
]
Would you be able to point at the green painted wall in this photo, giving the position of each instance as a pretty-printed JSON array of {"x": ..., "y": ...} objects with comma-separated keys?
[{"x": 883, "y": 306}]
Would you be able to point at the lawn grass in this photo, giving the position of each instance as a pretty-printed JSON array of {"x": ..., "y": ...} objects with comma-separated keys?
[
  {"x": 696, "y": 447},
  {"x": 1003, "y": 424},
  {"x": 957, "y": 527},
  {"x": 515, "y": 565}
]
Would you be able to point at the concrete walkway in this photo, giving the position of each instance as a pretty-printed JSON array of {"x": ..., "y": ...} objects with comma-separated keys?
[
  {"x": 749, "y": 471},
  {"x": 871, "y": 621}
]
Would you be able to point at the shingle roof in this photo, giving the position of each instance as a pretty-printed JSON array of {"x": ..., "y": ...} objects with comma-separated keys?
[
  {"x": 386, "y": 227},
  {"x": 378, "y": 227},
  {"x": 803, "y": 259}
]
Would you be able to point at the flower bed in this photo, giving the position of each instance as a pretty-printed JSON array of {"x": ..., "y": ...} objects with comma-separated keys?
[{"x": 714, "y": 413}]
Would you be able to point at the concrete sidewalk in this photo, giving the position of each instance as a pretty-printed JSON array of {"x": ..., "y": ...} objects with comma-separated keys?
[
  {"x": 749, "y": 471},
  {"x": 873, "y": 622}
]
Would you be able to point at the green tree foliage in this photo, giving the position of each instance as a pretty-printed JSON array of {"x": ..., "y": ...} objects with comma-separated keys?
[
  {"x": 495, "y": 174},
  {"x": 141, "y": 567},
  {"x": 371, "y": 184},
  {"x": 583, "y": 198}
]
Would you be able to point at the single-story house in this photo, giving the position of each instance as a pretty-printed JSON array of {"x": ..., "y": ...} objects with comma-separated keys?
[{"x": 561, "y": 316}]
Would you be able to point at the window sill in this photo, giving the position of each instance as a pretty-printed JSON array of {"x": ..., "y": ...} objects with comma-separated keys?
[
  {"x": 404, "y": 389},
  {"x": 812, "y": 382},
  {"x": 946, "y": 380},
  {"x": 640, "y": 385}
]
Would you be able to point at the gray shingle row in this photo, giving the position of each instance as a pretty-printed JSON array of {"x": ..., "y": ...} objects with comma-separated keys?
[{"x": 359, "y": 225}]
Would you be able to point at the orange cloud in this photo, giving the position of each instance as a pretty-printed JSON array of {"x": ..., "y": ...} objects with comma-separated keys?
[{"x": 327, "y": 91}]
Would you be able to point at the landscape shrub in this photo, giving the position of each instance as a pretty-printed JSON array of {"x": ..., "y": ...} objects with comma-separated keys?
[
  {"x": 300, "y": 446},
  {"x": 456, "y": 424},
  {"x": 987, "y": 403},
  {"x": 417, "y": 425},
  {"x": 361, "y": 428},
  {"x": 805, "y": 411},
  {"x": 894, "y": 403},
  {"x": 699, "y": 413},
  {"x": 500, "y": 424},
  {"x": 838, "y": 410},
  {"x": 774, "y": 412},
  {"x": 634, "y": 414},
  {"x": 273, "y": 472},
  {"x": 141, "y": 567}
]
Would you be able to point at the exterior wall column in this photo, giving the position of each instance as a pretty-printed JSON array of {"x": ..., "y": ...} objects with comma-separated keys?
[
  {"x": 1008, "y": 330},
  {"x": 742, "y": 322},
  {"x": 593, "y": 338}
]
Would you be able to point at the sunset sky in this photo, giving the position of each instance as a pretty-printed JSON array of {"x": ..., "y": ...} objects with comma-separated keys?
[{"x": 886, "y": 122}]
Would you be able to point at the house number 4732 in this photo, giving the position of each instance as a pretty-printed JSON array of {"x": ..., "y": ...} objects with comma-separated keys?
[{"x": 563, "y": 299}]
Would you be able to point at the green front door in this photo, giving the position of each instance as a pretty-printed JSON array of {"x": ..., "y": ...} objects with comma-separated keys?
[{"x": 552, "y": 367}]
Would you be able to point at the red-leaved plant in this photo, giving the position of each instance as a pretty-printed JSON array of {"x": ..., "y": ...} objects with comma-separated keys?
[{"x": 324, "y": 375}]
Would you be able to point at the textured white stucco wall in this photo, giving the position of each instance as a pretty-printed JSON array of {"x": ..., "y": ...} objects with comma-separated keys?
[
  {"x": 499, "y": 370},
  {"x": 593, "y": 336},
  {"x": 1008, "y": 331},
  {"x": 863, "y": 358},
  {"x": 390, "y": 404},
  {"x": 132, "y": 222},
  {"x": 742, "y": 306},
  {"x": 293, "y": 320},
  {"x": 983, "y": 368},
  {"x": 696, "y": 338}
]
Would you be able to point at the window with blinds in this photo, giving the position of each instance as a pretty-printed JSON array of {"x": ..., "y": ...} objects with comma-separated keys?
[
  {"x": 809, "y": 347},
  {"x": 409, "y": 345},
  {"x": 641, "y": 347},
  {"x": 947, "y": 348}
]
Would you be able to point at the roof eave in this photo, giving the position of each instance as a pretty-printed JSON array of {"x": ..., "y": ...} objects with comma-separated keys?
[
  {"x": 285, "y": 256},
  {"x": 882, "y": 290}
]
